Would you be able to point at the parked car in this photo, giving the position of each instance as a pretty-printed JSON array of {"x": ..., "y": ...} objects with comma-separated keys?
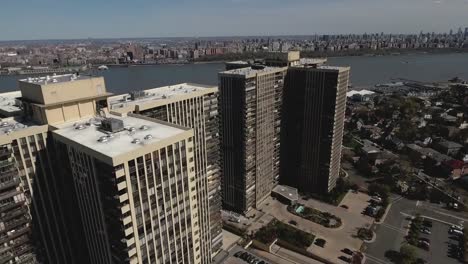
[
  {"x": 377, "y": 199},
  {"x": 456, "y": 232},
  {"x": 320, "y": 242},
  {"x": 423, "y": 245},
  {"x": 426, "y": 231},
  {"x": 424, "y": 239},
  {"x": 344, "y": 206},
  {"x": 292, "y": 222},
  {"x": 348, "y": 251},
  {"x": 345, "y": 259},
  {"x": 238, "y": 254}
]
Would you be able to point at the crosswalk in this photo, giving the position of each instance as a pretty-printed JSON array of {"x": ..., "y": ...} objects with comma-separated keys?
[
  {"x": 372, "y": 259},
  {"x": 394, "y": 228}
]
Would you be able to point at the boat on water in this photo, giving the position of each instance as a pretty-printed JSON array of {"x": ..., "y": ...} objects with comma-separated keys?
[{"x": 103, "y": 68}]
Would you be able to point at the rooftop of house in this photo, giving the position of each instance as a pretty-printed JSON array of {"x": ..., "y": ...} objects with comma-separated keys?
[
  {"x": 429, "y": 152},
  {"x": 129, "y": 134},
  {"x": 449, "y": 144}
]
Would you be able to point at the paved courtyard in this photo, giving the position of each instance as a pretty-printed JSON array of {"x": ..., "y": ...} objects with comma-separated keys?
[{"x": 337, "y": 239}]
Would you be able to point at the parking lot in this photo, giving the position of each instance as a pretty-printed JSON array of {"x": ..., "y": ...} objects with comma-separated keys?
[
  {"x": 440, "y": 241},
  {"x": 391, "y": 233},
  {"x": 238, "y": 255}
]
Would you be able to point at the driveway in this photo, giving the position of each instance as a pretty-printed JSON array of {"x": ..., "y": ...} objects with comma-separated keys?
[{"x": 337, "y": 239}]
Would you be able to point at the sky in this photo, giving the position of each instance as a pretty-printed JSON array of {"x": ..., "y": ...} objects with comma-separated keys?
[{"x": 67, "y": 19}]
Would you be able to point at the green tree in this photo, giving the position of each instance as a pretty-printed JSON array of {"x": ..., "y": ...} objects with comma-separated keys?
[
  {"x": 407, "y": 130},
  {"x": 407, "y": 254}
]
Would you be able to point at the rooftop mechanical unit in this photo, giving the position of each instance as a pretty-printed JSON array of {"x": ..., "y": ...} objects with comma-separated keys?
[
  {"x": 137, "y": 94},
  {"x": 112, "y": 125}
]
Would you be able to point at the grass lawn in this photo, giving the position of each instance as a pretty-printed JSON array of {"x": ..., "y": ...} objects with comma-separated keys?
[
  {"x": 322, "y": 218},
  {"x": 278, "y": 230}
]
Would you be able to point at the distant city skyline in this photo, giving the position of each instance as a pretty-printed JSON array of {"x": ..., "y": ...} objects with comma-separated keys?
[{"x": 54, "y": 19}]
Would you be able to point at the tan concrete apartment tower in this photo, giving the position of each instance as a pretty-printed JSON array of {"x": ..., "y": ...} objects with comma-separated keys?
[
  {"x": 194, "y": 106},
  {"x": 136, "y": 187},
  {"x": 250, "y": 108},
  {"x": 26, "y": 116}
]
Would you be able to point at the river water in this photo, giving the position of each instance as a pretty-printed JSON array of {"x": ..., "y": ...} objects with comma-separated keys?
[{"x": 365, "y": 72}]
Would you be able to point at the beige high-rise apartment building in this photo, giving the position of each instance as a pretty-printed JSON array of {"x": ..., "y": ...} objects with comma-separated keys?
[
  {"x": 194, "y": 106},
  {"x": 250, "y": 114},
  {"x": 26, "y": 116},
  {"x": 136, "y": 188},
  {"x": 134, "y": 192}
]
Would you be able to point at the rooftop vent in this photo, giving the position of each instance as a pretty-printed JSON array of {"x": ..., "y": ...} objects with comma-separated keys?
[
  {"x": 80, "y": 127},
  {"x": 103, "y": 139},
  {"x": 137, "y": 94},
  {"x": 136, "y": 141},
  {"x": 112, "y": 125}
]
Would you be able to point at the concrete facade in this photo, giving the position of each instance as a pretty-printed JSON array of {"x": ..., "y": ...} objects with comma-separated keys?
[
  {"x": 250, "y": 107},
  {"x": 194, "y": 106},
  {"x": 144, "y": 202}
]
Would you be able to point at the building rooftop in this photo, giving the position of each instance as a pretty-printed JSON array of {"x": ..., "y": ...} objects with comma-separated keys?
[
  {"x": 322, "y": 67},
  {"x": 9, "y": 105},
  {"x": 361, "y": 93},
  {"x": 55, "y": 79},
  {"x": 449, "y": 144},
  {"x": 135, "y": 133},
  {"x": 238, "y": 62},
  {"x": 313, "y": 60},
  {"x": 287, "y": 192},
  {"x": 250, "y": 72},
  {"x": 155, "y": 94},
  {"x": 12, "y": 125}
]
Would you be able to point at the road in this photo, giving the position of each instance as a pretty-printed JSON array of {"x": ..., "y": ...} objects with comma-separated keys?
[{"x": 391, "y": 233}]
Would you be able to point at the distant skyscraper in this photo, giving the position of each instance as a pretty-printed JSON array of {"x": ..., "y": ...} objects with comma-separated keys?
[
  {"x": 250, "y": 109},
  {"x": 194, "y": 106},
  {"x": 314, "y": 101},
  {"x": 135, "y": 182}
]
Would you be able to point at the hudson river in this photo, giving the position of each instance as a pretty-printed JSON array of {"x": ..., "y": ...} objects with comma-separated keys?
[{"x": 365, "y": 72}]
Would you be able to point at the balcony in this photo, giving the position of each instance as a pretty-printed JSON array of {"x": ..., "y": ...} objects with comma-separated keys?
[
  {"x": 13, "y": 213},
  {"x": 7, "y": 237},
  {"x": 17, "y": 222},
  {"x": 7, "y": 162},
  {"x": 9, "y": 194},
  {"x": 11, "y": 205}
]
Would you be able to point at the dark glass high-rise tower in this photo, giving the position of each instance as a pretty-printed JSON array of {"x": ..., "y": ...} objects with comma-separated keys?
[{"x": 314, "y": 102}]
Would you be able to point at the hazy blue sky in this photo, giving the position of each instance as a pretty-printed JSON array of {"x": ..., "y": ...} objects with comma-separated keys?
[{"x": 46, "y": 19}]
